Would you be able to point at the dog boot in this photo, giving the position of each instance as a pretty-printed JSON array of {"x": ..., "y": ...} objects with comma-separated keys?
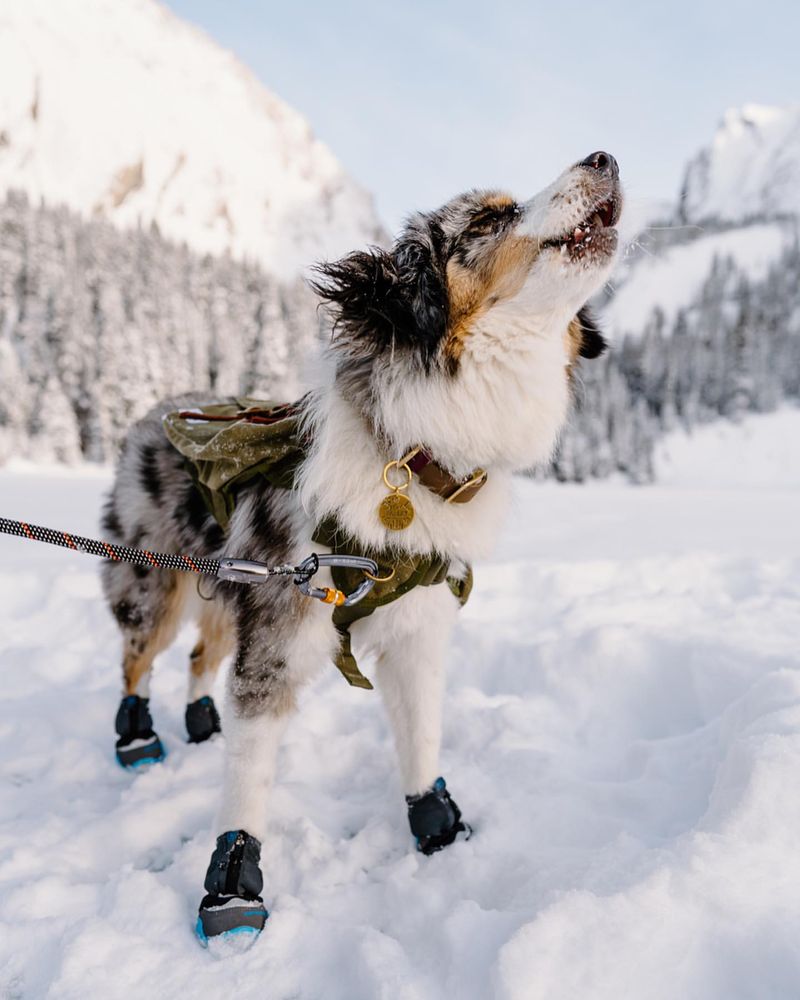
[
  {"x": 435, "y": 818},
  {"x": 233, "y": 882},
  {"x": 137, "y": 744},
  {"x": 202, "y": 719}
]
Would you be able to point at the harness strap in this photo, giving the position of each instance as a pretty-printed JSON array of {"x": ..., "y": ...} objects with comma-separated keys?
[
  {"x": 250, "y": 415},
  {"x": 409, "y": 571}
]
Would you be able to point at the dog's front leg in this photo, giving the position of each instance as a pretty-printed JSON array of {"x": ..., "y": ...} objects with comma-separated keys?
[
  {"x": 279, "y": 647},
  {"x": 410, "y": 673},
  {"x": 233, "y": 883},
  {"x": 251, "y": 754}
]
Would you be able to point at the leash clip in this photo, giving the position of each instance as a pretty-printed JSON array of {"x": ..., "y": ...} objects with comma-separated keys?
[
  {"x": 250, "y": 571},
  {"x": 328, "y": 595}
]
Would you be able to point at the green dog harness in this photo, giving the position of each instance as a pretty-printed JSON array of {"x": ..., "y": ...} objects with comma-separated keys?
[{"x": 226, "y": 445}]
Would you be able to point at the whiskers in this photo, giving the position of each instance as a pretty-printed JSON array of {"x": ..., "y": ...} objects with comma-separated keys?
[
  {"x": 636, "y": 246},
  {"x": 666, "y": 229}
]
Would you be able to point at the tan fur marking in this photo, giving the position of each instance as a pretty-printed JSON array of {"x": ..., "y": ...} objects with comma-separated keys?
[
  {"x": 498, "y": 201},
  {"x": 574, "y": 340},
  {"x": 215, "y": 642},
  {"x": 473, "y": 291},
  {"x": 511, "y": 265},
  {"x": 284, "y": 702},
  {"x": 141, "y": 650}
]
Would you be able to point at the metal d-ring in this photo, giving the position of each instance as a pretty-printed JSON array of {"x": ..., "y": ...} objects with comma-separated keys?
[
  {"x": 399, "y": 465},
  {"x": 380, "y": 579}
]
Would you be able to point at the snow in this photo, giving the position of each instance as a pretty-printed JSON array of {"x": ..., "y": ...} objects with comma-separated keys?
[
  {"x": 674, "y": 279},
  {"x": 760, "y": 453},
  {"x": 751, "y": 169},
  {"x": 622, "y": 730},
  {"x": 162, "y": 125}
]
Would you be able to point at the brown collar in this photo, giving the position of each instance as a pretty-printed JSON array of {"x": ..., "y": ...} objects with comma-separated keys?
[
  {"x": 419, "y": 461},
  {"x": 439, "y": 480}
]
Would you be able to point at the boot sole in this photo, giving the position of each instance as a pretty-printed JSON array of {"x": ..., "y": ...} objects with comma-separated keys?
[
  {"x": 224, "y": 921},
  {"x": 140, "y": 753}
]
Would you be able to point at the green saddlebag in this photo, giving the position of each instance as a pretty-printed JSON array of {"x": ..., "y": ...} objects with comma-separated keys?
[{"x": 227, "y": 444}]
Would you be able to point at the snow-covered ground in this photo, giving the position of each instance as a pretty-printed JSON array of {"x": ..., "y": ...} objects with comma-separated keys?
[{"x": 622, "y": 730}]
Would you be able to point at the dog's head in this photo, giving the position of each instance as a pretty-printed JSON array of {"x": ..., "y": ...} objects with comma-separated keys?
[{"x": 483, "y": 270}]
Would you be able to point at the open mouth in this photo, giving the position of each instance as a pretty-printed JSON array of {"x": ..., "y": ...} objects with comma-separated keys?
[{"x": 596, "y": 230}]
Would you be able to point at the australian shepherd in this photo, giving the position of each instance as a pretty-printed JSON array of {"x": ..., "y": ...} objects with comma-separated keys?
[{"x": 458, "y": 344}]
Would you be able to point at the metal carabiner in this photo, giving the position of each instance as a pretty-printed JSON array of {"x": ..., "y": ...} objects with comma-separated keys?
[
  {"x": 328, "y": 595},
  {"x": 250, "y": 571}
]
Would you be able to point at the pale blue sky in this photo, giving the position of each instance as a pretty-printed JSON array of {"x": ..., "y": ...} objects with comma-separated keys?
[{"x": 422, "y": 99}]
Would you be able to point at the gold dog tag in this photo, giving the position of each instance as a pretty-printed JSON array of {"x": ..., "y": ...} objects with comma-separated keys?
[{"x": 396, "y": 511}]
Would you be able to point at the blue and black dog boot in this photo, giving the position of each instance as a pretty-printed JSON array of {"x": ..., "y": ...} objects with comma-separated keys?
[
  {"x": 202, "y": 719},
  {"x": 137, "y": 744},
  {"x": 435, "y": 818},
  {"x": 233, "y": 883}
]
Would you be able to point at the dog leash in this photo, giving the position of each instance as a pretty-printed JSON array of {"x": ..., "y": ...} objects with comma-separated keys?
[{"x": 234, "y": 570}]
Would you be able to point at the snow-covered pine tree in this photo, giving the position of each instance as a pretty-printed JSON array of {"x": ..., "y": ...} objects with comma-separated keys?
[
  {"x": 97, "y": 324},
  {"x": 735, "y": 349}
]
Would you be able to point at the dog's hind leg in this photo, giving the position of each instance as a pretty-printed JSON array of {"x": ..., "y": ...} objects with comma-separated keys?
[
  {"x": 216, "y": 640},
  {"x": 410, "y": 677},
  {"x": 148, "y": 606}
]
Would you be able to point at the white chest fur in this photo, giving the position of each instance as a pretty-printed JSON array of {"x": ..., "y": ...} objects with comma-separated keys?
[{"x": 501, "y": 411}]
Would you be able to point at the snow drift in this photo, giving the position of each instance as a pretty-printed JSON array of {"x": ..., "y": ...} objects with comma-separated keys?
[{"x": 621, "y": 729}]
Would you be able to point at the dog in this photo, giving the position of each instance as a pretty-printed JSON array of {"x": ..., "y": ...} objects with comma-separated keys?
[{"x": 459, "y": 344}]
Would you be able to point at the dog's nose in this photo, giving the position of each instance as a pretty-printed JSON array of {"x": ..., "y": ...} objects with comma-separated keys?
[{"x": 602, "y": 162}]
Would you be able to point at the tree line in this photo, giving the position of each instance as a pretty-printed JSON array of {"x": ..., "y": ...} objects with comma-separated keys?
[{"x": 97, "y": 324}]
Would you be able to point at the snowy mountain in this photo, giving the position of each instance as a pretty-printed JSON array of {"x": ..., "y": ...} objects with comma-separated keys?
[
  {"x": 704, "y": 316},
  {"x": 751, "y": 170},
  {"x": 157, "y": 205},
  {"x": 739, "y": 201},
  {"x": 119, "y": 109}
]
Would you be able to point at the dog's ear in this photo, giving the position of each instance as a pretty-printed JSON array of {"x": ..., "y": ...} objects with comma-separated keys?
[
  {"x": 388, "y": 298},
  {"x": 593, "y": 343},
  {"x": 422, "y": 288},
  {"x": 358, "y": 287}
]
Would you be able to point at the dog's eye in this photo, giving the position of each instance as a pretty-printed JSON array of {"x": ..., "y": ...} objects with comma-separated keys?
[{"x": 491, "y": 220}]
